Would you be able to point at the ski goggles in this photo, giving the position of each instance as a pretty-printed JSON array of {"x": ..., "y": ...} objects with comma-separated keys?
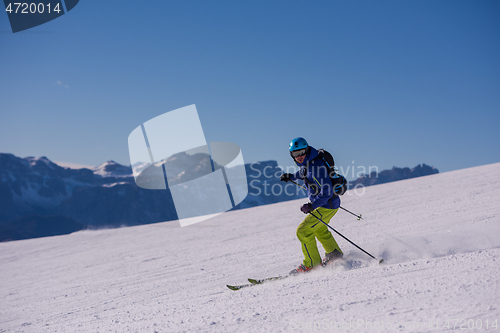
[{"x": 297, "y": 153}]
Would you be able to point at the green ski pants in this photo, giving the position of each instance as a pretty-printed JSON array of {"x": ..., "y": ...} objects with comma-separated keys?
[{"x": 310, "y": 229}]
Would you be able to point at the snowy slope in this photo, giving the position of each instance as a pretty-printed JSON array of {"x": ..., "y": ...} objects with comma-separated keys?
[{"x": 439, "y": 236}]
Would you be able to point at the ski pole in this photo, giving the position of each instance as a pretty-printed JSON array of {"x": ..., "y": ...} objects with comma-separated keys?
[
  {"x": 298, "y": 185},
  {"x": 358, "y": 216},
  {"x": 347, "y": 239}
]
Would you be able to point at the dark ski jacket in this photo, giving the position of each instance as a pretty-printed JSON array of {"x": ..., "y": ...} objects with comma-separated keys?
[{"x": 314, "y": 173}]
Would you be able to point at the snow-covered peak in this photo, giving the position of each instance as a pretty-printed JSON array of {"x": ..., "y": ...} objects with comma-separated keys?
[
  {"x": 37, "y": 160},
  {"x": 112, "y": 169}
]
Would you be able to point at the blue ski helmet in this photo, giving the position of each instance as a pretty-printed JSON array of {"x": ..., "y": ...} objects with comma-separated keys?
[{"x": 298, "y": 143}]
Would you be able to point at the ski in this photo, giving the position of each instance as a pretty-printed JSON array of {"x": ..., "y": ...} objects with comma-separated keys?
[
  {"x": 239, "y": 286},
  {"x": 254, "y": 282},
  {"x": 352, "y": 264}
]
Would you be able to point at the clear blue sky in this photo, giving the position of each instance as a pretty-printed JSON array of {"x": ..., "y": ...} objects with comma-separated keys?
[{"x": 380, "y": 83}]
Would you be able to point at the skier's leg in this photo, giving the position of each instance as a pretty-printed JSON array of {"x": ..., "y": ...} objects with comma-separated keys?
[
  {"x": 312, "y": 258},
  {"x": 322, "y": 232}
]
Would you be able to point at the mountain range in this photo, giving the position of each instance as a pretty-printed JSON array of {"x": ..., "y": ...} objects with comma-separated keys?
[
  {"x": 395, "y": 174},
  {"x": 40, "y": 198}
]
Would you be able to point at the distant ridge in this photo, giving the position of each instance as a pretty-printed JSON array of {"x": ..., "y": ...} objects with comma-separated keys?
[
  {"x": 393, "y": 175},
  {"x": 33, "y": 189}
]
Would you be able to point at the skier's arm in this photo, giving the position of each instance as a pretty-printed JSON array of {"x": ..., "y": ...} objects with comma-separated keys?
[
  {"x": 295, "y": 176},
  {"x": 286, "y": 177}
]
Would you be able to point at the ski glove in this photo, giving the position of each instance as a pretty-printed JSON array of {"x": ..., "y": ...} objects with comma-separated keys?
[
  {"x": 286, "y": 177},
  {"x": 306, "y": 208}
]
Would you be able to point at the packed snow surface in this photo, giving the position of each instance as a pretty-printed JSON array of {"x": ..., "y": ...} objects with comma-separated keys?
[{"x": 439, "y": 236}]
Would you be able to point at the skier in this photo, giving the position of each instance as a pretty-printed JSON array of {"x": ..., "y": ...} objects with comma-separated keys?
[{"x": 324, "y": 203}]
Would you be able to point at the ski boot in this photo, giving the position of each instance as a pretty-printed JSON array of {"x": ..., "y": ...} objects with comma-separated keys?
[
  {"x": 300, "y": 269},
  {"x": 332, "y": 256}
]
